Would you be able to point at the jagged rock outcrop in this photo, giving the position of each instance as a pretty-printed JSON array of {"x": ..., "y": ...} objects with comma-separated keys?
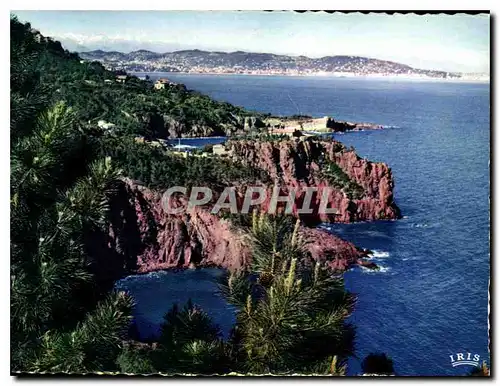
[
  {"x": 143, "y": 237},
  {"x": 300, "y": 163},
  {"x": 149, "y": 239},
  {"x": 338, "y": 126},
  {"x": 344, "y": 126},
  {"x": 253, "y": 123},
  {"x": 231, "y": 125}
]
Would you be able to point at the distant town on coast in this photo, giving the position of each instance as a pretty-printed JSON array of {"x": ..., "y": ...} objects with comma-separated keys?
[{"x": 240, "y": 62}]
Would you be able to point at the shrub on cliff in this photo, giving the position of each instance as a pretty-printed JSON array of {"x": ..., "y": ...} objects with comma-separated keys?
[
  {"x": 159, "y": 168},
  {"x": 340, "y": 180}
]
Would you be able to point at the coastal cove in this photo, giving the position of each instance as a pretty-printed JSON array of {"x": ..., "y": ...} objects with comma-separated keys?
[{"x": 433, "y": 286}]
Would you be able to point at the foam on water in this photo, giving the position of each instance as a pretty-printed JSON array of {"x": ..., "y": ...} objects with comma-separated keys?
[
  {"x": 381, "y": 269},
  {"x": 379, "y": 254}
]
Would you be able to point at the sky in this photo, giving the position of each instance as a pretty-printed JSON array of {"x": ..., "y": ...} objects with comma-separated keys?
[{"x": 440, "y": 42}]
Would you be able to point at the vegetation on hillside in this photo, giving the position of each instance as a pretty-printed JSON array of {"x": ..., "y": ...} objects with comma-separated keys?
[
  {"x": 135, "y": 107},
  {"x": 340, "y": 180},
  {"x": 60, "y": 320},
  {"x": 65, "y": 317},
  {"x": 377, "y": 363}
]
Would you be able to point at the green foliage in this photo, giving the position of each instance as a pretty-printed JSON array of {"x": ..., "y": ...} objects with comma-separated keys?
[
  {"x": 337, "y": 146},
  {"x": 263, "y": 137},
  {"x": 92, "y": 346},
  {"x": 28, "y": 96},
  {"x": 236, "y": 220},
  {"x": 340, "y": 180},
  {"x": 291, "y": 312},
  {"x": 377, "y": 363},
  {"x": 190, "y": 343},
  {"x": 59, "y": 199},
  {"x": 189, "y": 324},
  {"x": 136, "y": 360},
  {"x": 160, "y": 168},
  {"x": 136, "y": 108}
]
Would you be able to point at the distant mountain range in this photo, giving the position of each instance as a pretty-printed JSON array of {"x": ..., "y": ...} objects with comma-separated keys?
[{"x": 198, "y": 61}]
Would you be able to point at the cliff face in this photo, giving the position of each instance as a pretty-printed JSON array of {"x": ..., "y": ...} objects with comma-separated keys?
[
  {"x": 157, "y": 125},
  {"x": 147, "y": 239},
  {"x": 302, "y": 163},
  {"x": 143, "y": 237},
  {"x": 232, "y": 125}
]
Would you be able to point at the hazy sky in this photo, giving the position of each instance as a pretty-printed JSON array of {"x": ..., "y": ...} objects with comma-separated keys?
[{"x": 450, "y": 43}]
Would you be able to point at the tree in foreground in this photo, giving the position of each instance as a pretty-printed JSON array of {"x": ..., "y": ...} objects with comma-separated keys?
[
  {"x": 377, "y": 363},
  {"x": 482, "y": 371},
  {"x": 189, "y": 343},
  {"x": 291, "y": 311},
  {"x": 59, "y": 197},
  {"x": 290, "y": 319}
]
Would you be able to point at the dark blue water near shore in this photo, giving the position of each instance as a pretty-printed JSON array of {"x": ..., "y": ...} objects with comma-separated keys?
[
  {"x": 155, "y": 293},
  {"x": 430, "y": 300}
]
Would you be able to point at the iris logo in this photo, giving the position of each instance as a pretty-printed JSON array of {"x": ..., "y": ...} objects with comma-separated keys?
[{"x": 463, "y": 359}]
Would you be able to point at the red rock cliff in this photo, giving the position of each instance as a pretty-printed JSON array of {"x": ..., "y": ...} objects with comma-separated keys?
[
  {"x": 148, "y": 239},
  {"x": 144, "y": 238},
  {"x": 299, "y": 163}
]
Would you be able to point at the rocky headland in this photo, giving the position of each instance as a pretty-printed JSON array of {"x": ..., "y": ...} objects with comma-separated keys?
[
  {"x": 361, "y": 190},
  {"x": 199, "y": 238},
  {"x": 143, "y": 237},
  {"x": 289, "y": 125},
  {"x": 166, "y": 126}
]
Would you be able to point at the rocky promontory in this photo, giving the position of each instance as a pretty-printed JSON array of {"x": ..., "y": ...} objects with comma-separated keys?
[
  {"x": 289, "y": 125},
  {"x": 361, "y": 190},
  {"x": 143, "y": 237}
]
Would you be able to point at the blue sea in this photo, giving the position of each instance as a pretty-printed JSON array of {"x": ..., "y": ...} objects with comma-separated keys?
[{"x": 430, "y": 299}]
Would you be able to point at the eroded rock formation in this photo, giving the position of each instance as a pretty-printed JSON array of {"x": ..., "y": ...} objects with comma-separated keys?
[
  {"x": 149, "y": 239},
  {"x": 299, "y": 163},
  {"x": 143, "y": 237}
]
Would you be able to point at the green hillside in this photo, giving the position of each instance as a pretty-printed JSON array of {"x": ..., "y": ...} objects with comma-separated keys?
[{"x": 65, "y": 171}]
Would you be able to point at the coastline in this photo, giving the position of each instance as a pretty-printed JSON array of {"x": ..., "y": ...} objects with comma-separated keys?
[{"x": 390, "y": 77}]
